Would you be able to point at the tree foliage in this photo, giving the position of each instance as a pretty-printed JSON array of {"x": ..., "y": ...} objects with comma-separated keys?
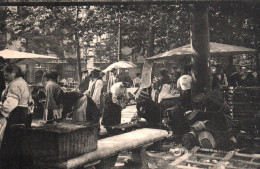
[
  {"x": 235, "y": 24},
  {"x": 53, "y": 28},
  {"x": 171, "y": 24}
]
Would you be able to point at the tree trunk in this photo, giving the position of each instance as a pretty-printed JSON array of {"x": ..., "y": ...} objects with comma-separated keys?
[
  {"x": 200, "y": 48},
  {"x": 78, "y": 48},
  {"x": 3, "y": 35}
]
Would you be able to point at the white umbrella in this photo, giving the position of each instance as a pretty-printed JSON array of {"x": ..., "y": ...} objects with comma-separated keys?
[
  {"x": 12, "y": 54},
  {"x": 120, "y": 65},
  {"x": 215, "y": 49}
]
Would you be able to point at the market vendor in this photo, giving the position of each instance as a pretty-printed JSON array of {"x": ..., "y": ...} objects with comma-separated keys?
[
  {"x": 184, "y": 85},
  {"x": 148, "y": 109},
  {"x": 95, "y": 86},
  {"x": 15, "y": 99},
  {"x": 115, "y": 101},
  {"x": 80, "y": 108},
  {"x": 163, "y": 85},
  {"x": 53, "y": 107}
]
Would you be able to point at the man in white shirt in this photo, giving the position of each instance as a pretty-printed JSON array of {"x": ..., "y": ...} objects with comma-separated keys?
[
  {"x": 95, "y": 87},
  {"x": 184, "y": 85},
  {"x": 112, "y": 79}
]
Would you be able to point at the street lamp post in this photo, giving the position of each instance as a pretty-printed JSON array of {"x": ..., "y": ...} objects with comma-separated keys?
[{"x": 119, "y": 37}]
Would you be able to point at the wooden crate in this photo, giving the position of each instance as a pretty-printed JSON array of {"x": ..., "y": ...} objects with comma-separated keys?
[
  {"x": 245, "y": 103},
  {"x": 200, "y": 158}
]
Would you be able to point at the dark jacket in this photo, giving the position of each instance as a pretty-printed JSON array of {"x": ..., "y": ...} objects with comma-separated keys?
[
  {"x": 2, "y": 82},
  {"x": 83, "y": 86}
]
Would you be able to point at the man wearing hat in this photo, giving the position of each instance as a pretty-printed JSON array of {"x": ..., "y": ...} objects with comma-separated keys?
[
  {"x": 53, "y": 91},
  {"x": 95, "y": 86}
]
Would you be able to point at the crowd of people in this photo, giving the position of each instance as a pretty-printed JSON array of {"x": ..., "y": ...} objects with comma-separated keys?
[{"x": 100, "y": 98}]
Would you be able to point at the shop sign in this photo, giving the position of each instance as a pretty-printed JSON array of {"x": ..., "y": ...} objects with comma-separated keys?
[{"x": 59, "y": 61}]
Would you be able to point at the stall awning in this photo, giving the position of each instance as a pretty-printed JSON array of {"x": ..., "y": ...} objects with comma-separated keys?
[
  {"x": 215, "y": 48},
  {"x": 12, "y": 54}
]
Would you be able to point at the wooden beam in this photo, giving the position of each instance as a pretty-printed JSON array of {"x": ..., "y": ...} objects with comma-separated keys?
[
  {"x": 224, "y": 161},
  {"x": 186, "y": 167},
  {"x": 184, "y": 157},
  {"x": 199, "y": 163},
  {"x": 246, "y": 162},
  {"x": 114, "y": 2}
]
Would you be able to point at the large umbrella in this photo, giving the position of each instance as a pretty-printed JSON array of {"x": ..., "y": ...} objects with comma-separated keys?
[
  {"x": 120, "y": 65},
  {"x": 12, "y": 54},
  {"x": 215, "y": 49}
]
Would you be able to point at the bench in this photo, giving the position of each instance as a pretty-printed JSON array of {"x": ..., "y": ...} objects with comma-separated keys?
[{"x": 109, "y": 148}]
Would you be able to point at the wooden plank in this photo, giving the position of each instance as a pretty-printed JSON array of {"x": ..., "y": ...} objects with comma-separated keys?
[
  {"x": 184, "y": 157},
  {"x": 109, "y": 2},
  {"x": 231, "y": 167},
  {"x": 256, "y": 156},
  {"x": 186, "y": 167},
  {"x": 92, "y": 164},
  {"x": 208, "y": 156},
  {"x": 213, "y": 151},
  {"x": 246, "y": 162},
  {"x": 224, "y": 162},
  {"x": 199, "y": 163}
]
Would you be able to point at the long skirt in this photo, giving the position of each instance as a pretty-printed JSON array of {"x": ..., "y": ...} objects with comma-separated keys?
[
  {"x": 112, "y": 112},
  {"x": 185, "y": 99},
  {"x": 12, "y": 154}
]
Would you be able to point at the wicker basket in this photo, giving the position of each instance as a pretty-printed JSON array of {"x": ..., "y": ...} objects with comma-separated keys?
[{"x": 60, "y": 141}]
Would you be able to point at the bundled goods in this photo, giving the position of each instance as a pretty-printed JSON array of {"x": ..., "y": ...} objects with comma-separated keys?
[{"x": 52, "y": 142}]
